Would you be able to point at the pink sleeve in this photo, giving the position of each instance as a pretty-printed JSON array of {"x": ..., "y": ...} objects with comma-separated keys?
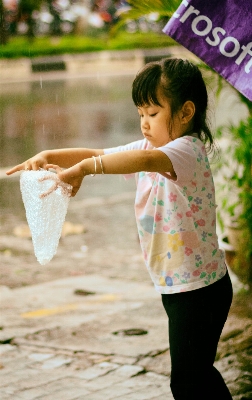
[
  {"x": 138, "y": 145},
  {"x": 183, "y": 154}
]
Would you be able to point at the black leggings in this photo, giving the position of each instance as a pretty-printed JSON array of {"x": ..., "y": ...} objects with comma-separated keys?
[{"x": 196, "y": 319}]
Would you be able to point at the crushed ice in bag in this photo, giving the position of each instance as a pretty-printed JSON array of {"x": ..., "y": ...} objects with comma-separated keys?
[{"x": 46, "y": 204}]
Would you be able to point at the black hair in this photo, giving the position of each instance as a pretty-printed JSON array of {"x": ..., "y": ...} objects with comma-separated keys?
[{"x": 180, "y": 81}]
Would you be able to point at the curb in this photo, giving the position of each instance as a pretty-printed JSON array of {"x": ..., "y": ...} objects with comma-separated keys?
[{"x": 102, "y": 62}]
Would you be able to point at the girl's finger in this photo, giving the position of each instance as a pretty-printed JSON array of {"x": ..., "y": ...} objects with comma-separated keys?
[
  {"x": 54, "y": 166},
  {"x": 17, "y": 168}
]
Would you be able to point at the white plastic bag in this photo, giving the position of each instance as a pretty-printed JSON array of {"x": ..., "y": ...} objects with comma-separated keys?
[{"x": 46, "y": 204}]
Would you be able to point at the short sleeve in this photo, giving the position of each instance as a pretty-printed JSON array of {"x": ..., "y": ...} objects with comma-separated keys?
[
  {"x": 137, "y": 145},
  {"x": 182, "y": 153}
]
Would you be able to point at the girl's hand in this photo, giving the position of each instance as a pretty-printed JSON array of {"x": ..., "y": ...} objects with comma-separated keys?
[
  {"x": 34, "y": 163},
  {"x": 73, "y": 176}
]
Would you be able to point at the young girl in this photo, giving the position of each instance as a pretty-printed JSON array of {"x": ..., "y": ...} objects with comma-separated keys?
[{"x": 175, "y": 214}]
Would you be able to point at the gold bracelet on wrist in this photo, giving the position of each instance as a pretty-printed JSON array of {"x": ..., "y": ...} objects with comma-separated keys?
[
  {"x": 94, "y": 158},
  {"x": 100, "y": 159}
]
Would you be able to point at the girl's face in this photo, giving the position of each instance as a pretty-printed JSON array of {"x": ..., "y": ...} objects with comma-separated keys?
[{"x": 156, "y": 123}]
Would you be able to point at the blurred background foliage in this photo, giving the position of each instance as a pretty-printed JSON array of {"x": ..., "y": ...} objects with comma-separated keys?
[{"x": 39, "y": 27}]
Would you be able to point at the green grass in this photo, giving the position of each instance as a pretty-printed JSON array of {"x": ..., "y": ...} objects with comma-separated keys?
[
  {"x": 139, "y": 41},
  {"x": 21, "y": 46}
]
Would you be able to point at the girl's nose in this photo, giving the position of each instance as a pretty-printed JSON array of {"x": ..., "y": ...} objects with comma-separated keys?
[{"x": 144, "y": 122}]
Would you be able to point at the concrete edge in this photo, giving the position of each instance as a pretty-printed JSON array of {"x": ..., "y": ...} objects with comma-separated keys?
[{"x": 85, "y": 64}]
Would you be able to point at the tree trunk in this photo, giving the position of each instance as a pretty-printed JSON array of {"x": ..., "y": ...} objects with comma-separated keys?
[{"x": 3, "y": 33}]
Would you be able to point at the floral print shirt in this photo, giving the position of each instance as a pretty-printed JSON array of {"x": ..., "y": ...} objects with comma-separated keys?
[{"x": 176, "y": 220}]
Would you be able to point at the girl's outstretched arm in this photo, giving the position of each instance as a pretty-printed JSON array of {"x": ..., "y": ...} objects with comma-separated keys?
[
  {"x": 65, "y": 158},
  {"x": 130, "y": 161},
  {"x": 124, "y": 162}
]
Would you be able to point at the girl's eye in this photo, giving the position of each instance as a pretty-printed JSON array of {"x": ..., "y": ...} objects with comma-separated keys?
[{"x": 153, "y": 115}]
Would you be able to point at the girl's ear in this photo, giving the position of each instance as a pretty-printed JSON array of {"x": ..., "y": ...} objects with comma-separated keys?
[{"x": 187, "y": 112}]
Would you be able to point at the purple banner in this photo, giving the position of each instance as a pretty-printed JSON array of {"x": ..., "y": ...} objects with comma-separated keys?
[{"x": 219, "y": 32}]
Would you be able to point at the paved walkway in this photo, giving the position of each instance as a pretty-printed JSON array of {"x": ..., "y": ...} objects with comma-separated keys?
[
  {"x": 61, "y": 342},
  {"x": 65, "y": 345}
]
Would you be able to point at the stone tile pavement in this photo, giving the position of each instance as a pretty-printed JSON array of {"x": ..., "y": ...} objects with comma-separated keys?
[
  {"x": 29, "y": 373},
  {"x": 56, "y": 345}
]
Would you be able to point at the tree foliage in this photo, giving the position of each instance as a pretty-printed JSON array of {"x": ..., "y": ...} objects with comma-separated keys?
[{"x": 138, "y": 9}]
